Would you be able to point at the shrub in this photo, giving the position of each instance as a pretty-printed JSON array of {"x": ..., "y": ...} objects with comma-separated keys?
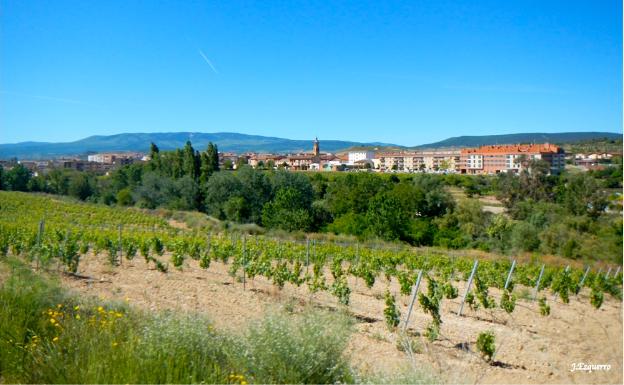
[
  {"x": 307, "y": 348},
  {"x": 508, "y": 301},
  {"x": 485, "y": 345},
  {"x": 544, "y": 307},
  {"x": 596, "y": 298},
  {"x": 390, "y": 312}
]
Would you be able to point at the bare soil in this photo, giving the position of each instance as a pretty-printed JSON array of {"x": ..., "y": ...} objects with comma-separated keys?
[{"x": 530, "y": 348}]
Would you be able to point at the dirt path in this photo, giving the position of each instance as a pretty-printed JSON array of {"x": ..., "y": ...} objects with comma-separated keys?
[{"x": 530, "y": 348}]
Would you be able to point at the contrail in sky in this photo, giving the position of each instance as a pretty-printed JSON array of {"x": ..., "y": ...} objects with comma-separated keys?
[{"x": 208, "y": 61}]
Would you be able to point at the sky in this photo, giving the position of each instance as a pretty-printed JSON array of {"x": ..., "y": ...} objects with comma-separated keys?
[{"x": 402, "y": 72}]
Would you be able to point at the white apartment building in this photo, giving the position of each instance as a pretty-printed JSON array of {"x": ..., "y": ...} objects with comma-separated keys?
[
  {"x": 411, "y": 161},
  {"x": 355, "y": 156}
]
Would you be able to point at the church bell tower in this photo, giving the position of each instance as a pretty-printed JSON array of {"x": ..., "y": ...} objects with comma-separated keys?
[{"x": 315, "y": 148}]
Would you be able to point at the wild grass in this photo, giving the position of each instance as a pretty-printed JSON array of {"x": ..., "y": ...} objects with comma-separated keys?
[{"x": 48, "y": 335}]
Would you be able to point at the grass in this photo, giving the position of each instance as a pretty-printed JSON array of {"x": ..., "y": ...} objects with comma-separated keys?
[{"x": 48, "y": 335}]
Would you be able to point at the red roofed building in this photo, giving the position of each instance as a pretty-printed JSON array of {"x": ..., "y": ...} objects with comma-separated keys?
[{"x": 509, "y": 158}]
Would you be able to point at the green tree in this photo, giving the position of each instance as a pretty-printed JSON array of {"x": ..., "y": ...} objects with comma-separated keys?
[
  {"x": 286, "y": 211},
  {"x": 191, "y": 161},
  {"x": 524, "y": 237},
  {"x": 155, "y": 191},
  {"x": 124, "y": 197},
  {"x": 17, "y": 178},
  {"x": 221, "y": 187},
  {"x": 582, "y": 194},
  {"x": 37, "y": 184},
  {"x": 80, "y": 186},
  {"x": 209, "y": 162},
  {"x": 154, "y": 154},
  {"x": 58, "y": 182},
  {"x": 386, "y": 218}
]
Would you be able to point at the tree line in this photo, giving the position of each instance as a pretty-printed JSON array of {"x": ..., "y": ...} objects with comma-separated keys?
[{"x": 568, "y": 214}]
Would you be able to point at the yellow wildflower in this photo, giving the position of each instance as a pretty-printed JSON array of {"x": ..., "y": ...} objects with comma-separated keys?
[
  {"x": 55, "y": 339},
  {"x": 77, "y": 316},
  {"x": 52, "y": 321}
]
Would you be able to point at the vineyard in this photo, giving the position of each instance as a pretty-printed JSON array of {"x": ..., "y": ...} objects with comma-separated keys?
[{"x": 59, "y": 234}]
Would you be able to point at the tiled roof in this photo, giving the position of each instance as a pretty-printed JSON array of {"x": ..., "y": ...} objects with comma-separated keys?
[{"x": 513, "y": 149}]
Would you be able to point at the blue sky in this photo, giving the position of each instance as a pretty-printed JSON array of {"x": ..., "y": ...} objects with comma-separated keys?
[{"x": 401, "y": 72}]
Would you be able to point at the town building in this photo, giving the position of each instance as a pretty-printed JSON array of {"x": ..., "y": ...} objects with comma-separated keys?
[
  {"x": 411, "y": 161},
  {"x": 265, "y": 160},
  {"x": 356, "y": 156},
  {"x": 115, "y": 158},
  {"x": 495, "y": 159}
]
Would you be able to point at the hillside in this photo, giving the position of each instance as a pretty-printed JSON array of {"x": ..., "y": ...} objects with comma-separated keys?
[
  {"x": 168, "y": 141},
  {"x": 241, "y": 143},
  {"x": 483, "y": 140}
]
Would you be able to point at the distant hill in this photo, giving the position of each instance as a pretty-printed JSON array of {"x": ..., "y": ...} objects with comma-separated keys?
[
  {"x": 484, "y": 140},
  {"x": 140, "y": 142},
  {"x": 242, "y": 143}
]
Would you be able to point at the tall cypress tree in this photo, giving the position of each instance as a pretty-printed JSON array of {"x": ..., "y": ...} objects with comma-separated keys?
[
  {"x": 190, "y": 162},
  {"x": 154, "y": 154},
  {"x": 209, "y": 162}
]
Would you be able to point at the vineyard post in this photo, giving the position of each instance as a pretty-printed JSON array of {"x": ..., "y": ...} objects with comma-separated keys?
[
  {"x": 513, "y": 265},
  {"x": 453, "y": 269},
  {"x": 608, "y": 273},
  {"x": 357, "y": 260},
  {"x": 583, "y": 279},
  {"x": 120, "y": 256},
  {"x": 307, "y": 255},
  {"x": 40, "y": 232},
  {"x": 414, "y": 295},
  {"x": 39, "y": 237},
  {"x": 538, "y": 282},
  {"x": 474, "y": 270},
  {"x": 617, "y": 271},
  {"x": 244, "y": 261}
]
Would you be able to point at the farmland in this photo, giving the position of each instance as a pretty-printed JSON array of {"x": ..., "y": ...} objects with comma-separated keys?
[{"x": 130, "y": 254}]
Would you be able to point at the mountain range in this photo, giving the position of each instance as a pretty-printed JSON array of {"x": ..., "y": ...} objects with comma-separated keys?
[{"x": 241, "y": 143}]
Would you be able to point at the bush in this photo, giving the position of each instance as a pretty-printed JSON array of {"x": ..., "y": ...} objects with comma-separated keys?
[
  {"x": 485, "y": 345},
  {"x": 124, "y": 197},
  {"x": 390, "y": 312},
  {"x": 596, "y": 298},
  {"x": 307, "y": 349},
  {"x": 544, "y": 307},
  {"x": 508, "y": 301}
]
